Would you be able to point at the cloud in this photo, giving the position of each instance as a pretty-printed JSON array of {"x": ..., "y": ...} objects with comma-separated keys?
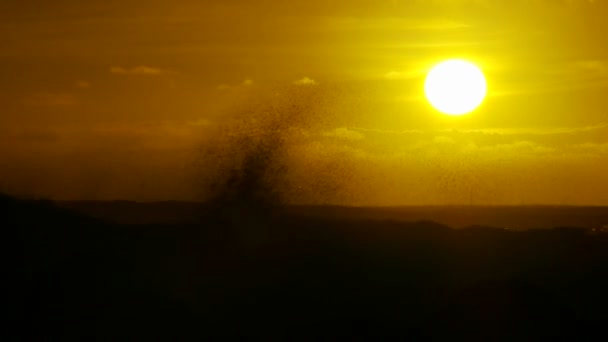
[
  {"x": 51, "y": 100},
  {"x": 516, "y": 149},
  {"x": 530, "y": 131},
  {"x": 397, "y": 75},
  {"x": 599, "y": 67},
  {"x": 358, "y": 24},
  {"x": 248, "y": 82},
  {"x": 83, "y": 84},
  {"x": 306, "y": 81},
  {"x": 12, "y": 135},
  {"x": 199, "y": 123},
  {"x": 586, "y": 149},
  {"x": 138, "y": 70},
  {"x": 403, "y": 75},
  {"x": 345, "y": 134}
]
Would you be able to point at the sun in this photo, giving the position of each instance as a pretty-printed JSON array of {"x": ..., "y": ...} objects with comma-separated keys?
[{"x": 455, "y": 87}]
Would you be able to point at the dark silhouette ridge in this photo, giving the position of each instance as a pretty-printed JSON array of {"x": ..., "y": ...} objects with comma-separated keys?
[
  {"x": 292, "y": 276},
  {"x": 516, "y": 218}
]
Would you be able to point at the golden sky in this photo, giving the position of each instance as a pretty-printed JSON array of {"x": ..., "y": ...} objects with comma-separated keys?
[{"x": 117, "y": 99}]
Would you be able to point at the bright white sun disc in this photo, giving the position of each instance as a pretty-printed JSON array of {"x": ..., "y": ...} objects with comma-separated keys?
[{"x": 455, "y": 87}]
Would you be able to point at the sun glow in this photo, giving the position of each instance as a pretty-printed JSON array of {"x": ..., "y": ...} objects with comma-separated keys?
[{"x": 455, "y": 87}]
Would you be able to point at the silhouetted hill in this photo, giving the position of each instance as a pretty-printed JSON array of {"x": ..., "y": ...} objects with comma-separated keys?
[
  {"x": 15, "y": 211},
  {"x": 510, "y": 217},
  {"x": 281, "y": 275}
]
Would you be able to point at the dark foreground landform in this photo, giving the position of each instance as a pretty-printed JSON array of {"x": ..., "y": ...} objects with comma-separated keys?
[
  {"x": 508, "y": 217},
  {"x": 272, "y": 274}
]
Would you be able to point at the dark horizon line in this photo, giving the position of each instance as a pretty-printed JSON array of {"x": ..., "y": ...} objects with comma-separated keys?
[{"x": 192, "y": 202}]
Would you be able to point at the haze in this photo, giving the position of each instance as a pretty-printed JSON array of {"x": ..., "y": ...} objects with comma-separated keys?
[{"x": 120, "y": 100}]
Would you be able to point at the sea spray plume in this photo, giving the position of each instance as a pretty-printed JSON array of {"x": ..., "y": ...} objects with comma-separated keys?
[
  {"x": 251, "y": 173},
  {"x": 243, "y": 164}
]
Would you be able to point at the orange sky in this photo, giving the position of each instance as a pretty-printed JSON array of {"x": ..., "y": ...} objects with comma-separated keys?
[{"x": 119, "y": 100}]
